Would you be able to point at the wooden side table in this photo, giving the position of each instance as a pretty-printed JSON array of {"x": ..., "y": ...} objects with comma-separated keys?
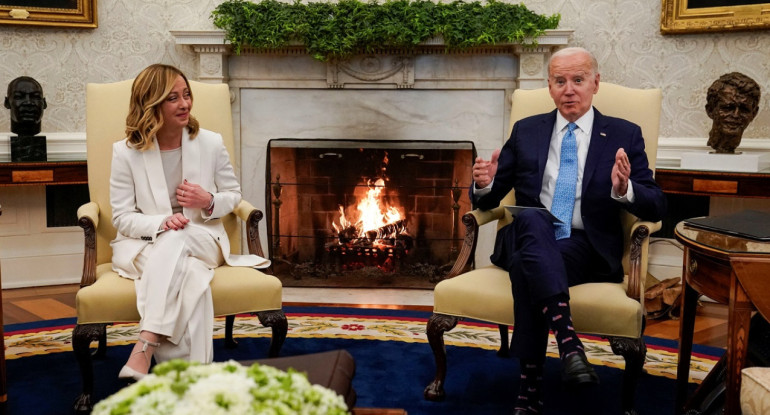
[{"x": 733, "y": 271}]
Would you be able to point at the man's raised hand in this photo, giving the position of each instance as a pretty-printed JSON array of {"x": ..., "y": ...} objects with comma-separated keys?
[
  {"x": 621, "y": 171},
  {"x": 484, "y": 170}
]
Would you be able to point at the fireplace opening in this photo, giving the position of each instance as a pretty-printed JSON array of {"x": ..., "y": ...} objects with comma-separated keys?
[{"x": 366, "y": 213}]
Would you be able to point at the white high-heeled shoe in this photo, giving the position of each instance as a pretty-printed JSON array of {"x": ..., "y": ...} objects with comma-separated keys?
[{"x": 128, "y": 373}]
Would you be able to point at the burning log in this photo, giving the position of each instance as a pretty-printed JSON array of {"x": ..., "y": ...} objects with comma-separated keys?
[
  {"x": 388, "y": 231},
  {"x": 347, "y": 235}
]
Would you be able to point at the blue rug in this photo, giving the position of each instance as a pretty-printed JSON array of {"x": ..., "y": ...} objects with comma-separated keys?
[{"x": 393, "y": 365}]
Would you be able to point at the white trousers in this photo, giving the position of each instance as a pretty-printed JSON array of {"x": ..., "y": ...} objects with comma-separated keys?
[{"x": 173, "y": 293}]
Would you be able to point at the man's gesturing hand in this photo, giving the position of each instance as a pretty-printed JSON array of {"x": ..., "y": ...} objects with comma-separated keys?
[
  {"x": 484, "y": 170},
  {"x": 621, "y": 171}
]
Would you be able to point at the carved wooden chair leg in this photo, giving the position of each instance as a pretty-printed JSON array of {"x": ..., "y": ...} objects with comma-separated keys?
[
  {"x": 438, "y": 324},
  {"x": 101, "y": 346},
  {"x": 505, "y": 345},
  {"x": 230, "y": 342},
  {"x": 82, "y": 336},
  {"x": 276, "y": 320},
  {"x": 634, "y": 351}
]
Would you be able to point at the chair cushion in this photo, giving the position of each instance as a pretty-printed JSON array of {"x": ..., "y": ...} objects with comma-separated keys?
[
  {"x": 235, "y": 290},
  {"x": 755, "y": 391},
  {"x": 485, "y": 294},
  {"x": 482, "y": 294}
]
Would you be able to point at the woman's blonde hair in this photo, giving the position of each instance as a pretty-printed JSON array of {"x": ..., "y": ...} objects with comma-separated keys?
[{"x": 150, "y": 89}]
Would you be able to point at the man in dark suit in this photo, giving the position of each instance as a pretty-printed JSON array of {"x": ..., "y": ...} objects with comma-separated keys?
[{"x": 584, "y": 168}]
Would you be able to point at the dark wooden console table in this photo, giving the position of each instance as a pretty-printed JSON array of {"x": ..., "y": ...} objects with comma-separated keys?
[
  {"x": 37, "y": 173},
  {"x": 713, "y": 183},
  {"x": 43, "y": 173}
]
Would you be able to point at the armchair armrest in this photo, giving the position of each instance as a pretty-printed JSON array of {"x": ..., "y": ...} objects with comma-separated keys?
[
  {"x": 639, "y": 244},
  {"x": 90, "y": 211},
  {"x": 88, "y": 219},
  {"x": 485, "y": 216},
  {"x": 251, "y": 215},
  {"x": 472, "y": 220}
]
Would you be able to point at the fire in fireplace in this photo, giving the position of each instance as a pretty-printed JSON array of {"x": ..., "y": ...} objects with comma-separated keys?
[
  {"x": 366, "y": 213},
  {"x": 376, "y": 235}
]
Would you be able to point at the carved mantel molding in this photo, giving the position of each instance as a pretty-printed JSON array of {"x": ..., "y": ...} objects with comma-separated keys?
[{"x": 385, "y": 68}]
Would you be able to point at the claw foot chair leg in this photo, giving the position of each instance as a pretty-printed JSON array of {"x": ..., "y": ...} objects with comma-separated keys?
[
  {"x": 276, "y": 320},
  {"x": 438, "y": 324},
  {"x": 634, "y": 351},
  {"x": 82, "y": 336}
]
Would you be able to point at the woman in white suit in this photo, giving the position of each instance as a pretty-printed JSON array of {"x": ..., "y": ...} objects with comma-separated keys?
[{"x": 170, "y": 183}]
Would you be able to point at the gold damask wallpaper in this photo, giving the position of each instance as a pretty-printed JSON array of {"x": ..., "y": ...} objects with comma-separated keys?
[{"x": 624, "y": 34}]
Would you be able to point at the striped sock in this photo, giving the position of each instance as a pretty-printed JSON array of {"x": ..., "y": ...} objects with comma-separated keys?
[
  {"x": 529, "y": 388},
  {"x": 556, "y": 310}
]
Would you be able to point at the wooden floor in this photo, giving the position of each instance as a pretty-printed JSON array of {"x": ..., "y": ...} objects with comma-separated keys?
[{"x": 24, "y": 305}]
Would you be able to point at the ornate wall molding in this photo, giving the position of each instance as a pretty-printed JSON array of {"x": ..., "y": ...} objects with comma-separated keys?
[{"x": 372, "y": 69}]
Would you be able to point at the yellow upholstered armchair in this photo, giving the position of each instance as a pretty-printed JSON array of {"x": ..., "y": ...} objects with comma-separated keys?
[
  {"x": 614, "y": 311},
  {"x": 104, "y": 297}
]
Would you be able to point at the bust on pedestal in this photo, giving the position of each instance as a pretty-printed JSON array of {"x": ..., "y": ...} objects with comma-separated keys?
[
  {"x": 26, "y": 102},
  {"x": 732, "y": 102}
]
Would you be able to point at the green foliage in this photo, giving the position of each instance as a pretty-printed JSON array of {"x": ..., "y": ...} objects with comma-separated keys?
[{"x": 339, "y": 30}]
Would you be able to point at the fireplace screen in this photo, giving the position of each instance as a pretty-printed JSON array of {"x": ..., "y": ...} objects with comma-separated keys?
[{"x": 366, "y": 213}]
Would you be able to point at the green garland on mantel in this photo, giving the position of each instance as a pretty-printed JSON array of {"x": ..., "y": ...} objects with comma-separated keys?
[{"x": 347, "y": 27}]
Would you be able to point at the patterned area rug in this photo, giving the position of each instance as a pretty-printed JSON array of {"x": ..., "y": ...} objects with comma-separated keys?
[{"x": 357, "y": 325}]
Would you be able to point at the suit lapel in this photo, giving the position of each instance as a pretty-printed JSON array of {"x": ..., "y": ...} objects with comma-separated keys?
[
  {"x": 595, "y": 148},
  {"x": 154, "y": 169},
  {"x": 191, "y": 162},
  {"x": 191, "y": 158},
  {"x": 544, "y": 142}
]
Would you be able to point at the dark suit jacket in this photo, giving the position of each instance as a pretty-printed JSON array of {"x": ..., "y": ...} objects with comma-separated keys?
[{"x": 522, "y": 164}]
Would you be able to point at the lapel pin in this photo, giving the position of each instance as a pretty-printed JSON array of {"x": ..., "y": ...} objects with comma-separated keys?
[{"x": 603, "y": 134}]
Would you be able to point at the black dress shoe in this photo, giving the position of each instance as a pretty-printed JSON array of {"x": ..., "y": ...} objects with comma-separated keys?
[{"x": 577, "y": 371}]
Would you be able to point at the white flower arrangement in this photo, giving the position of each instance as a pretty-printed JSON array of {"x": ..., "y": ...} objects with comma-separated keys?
[{"x": 178, "y": 387}]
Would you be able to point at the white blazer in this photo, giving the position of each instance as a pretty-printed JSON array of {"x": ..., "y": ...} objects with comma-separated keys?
[{"x": 140, "y": 201}]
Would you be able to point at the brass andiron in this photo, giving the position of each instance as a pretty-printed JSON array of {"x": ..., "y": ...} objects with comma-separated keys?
[{"x": 277, "y": 189}]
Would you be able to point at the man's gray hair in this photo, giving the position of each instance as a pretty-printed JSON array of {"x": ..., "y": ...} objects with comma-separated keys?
[{"x": 575, "y": 50}]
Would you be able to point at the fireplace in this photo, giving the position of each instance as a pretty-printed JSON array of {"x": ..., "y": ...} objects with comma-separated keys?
[
  {"x": 438, "y": 93},
  {"x": 365, "y": 213}
]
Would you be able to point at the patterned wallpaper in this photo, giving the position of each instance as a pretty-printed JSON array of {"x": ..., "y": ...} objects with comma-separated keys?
[
  {"x": 132, "y": 34},
  {"x": 624, "y": 34}
]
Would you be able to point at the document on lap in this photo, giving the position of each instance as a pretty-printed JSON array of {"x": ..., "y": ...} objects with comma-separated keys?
[
  {"x": 515, "y": 210},
  {"x": 262, "y": 262},
  {"x": 248, "y": 260}
]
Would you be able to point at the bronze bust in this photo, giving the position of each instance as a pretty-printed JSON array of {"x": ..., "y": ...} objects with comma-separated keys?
[
  {"x": 732, "y": 102},
  {"x": 26, "y": 101}
]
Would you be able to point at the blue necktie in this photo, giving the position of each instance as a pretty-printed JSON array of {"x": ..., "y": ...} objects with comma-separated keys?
[{"x": 564, "y": 194}]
